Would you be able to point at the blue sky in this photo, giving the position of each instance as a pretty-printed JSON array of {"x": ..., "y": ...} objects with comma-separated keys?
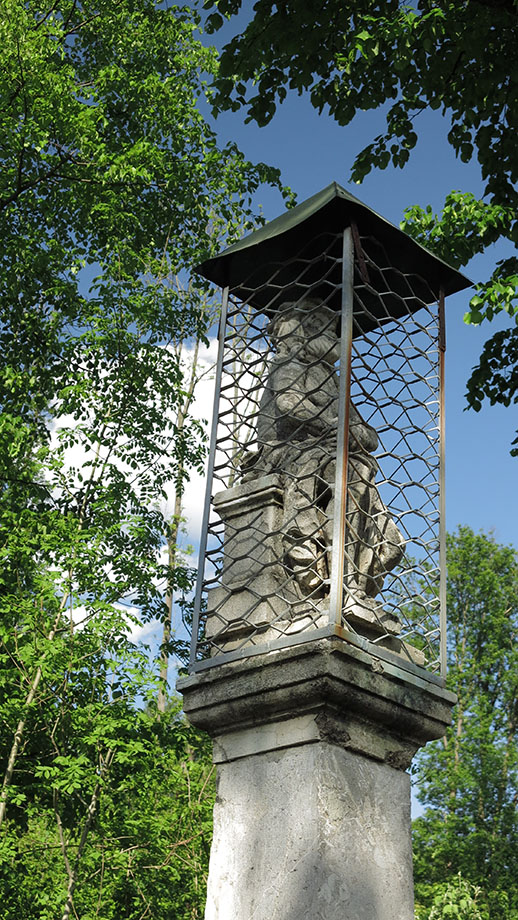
[{"x": 312, "y": 151}]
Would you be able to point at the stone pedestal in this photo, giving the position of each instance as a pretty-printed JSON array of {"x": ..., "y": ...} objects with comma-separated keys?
[
  {"x": 257, "y": 599},
  {"x": 246, "y": 601},
  {"x": 312, "y": 818}
]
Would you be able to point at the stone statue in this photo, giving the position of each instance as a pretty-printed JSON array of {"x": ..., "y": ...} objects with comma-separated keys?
[{"x": 296, "y": 439}]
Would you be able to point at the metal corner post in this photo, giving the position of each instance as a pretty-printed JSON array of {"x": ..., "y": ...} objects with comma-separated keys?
[
  {"x": 340, "y": 505},
  {"x": 442, "y": 488},
  {"x": 210, "y": 472}
]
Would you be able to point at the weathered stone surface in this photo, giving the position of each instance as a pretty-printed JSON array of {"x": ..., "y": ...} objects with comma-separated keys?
[
  {"x": 297, "y": 439},
  {"x": 252, "y": 515},
  {"x": 246, "y": 600},
  {"x": 312, "y": 832},
  {"x": 387, "y": 711},
  {"x": 312, "y": 817}
]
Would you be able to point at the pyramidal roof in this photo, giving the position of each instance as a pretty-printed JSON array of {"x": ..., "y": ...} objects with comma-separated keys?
[{"x": 330, "y": 210}]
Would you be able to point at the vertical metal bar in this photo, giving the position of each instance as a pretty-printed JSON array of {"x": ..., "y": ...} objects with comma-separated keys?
[
  {"x": 342, "y": 450},
  {"x": 442, "y": 496},
  {"x": 210, "y": 472}
]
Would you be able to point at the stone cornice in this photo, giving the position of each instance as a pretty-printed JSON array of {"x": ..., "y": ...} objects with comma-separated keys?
[{"x": 324, "y": 690}]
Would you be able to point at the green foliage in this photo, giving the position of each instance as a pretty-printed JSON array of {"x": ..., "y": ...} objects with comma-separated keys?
[
  {"x": 465, "y": 227},
  {"x": 496, "y": 375},
  {"x": 455, "y": 57},
  {"x": 147, "y": 852},
  {"x": 458, "y": 900},
  {"x": 112, "y": 186},
  {"x": 356, "y": 56},
  {"x": 468, "y": 781}
]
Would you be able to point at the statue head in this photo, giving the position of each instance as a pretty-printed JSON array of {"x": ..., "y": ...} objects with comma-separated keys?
[{"x": 306, "y": 330}]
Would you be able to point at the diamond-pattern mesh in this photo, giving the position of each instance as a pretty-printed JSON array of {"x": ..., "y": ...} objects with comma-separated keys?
[{"x": 267, "y": 553}]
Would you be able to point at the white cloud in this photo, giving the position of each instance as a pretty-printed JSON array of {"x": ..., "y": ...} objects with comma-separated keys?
[
  {"x": 194, "y": 493},
  {"x": 136, "y": 631}
]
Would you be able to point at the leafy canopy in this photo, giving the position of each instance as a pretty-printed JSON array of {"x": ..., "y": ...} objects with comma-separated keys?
[
  {"x": 468, "y": 781},
  {"x": 457, "y": 57},
  {"x": 112, "y": 185}
]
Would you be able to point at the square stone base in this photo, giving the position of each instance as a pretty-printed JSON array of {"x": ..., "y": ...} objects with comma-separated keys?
[
  {"x": 312, "y": 816},
  {"x": 312, "y": 832}
]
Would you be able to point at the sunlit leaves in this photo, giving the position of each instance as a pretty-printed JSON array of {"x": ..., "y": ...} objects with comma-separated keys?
[
  {"x": 112, "y": 185},
  {"x": 468, "y": 781},
  {"x": 465, "y": 227},
  {"x": 456, "y": 57}
]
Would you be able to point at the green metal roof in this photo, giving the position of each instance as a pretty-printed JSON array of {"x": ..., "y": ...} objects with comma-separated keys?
[{"x": 246, "y": 263}]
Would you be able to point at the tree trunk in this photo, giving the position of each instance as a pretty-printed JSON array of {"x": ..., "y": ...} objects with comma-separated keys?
[
  {"x": 168, "y": 623},
  {"x": 20, "y": 728},
  {"x": 172, "y": 540},
  {"x": 90, "y": 815}
]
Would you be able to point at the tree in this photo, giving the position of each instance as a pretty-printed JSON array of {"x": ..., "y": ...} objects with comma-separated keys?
[
  {"x": 148, "y": 846},
  {"x": 111, "y": 183},
  {"x": 468, "y": 781},
  {"x": 457, "y": 899},
  {"x": 457, "y": 57}
]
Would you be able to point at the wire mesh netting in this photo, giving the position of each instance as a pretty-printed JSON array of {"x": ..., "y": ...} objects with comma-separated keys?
[{"x": 325, "y": 472}]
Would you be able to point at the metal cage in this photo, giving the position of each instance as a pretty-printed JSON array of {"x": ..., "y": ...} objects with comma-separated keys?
[{"x": 324, "y": 512}]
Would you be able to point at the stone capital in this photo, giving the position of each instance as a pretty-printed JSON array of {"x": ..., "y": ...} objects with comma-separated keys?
[{"x": 325, "y": 690}]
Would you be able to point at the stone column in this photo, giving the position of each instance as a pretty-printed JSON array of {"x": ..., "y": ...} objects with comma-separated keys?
[{"x": 312, "y": 817}]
